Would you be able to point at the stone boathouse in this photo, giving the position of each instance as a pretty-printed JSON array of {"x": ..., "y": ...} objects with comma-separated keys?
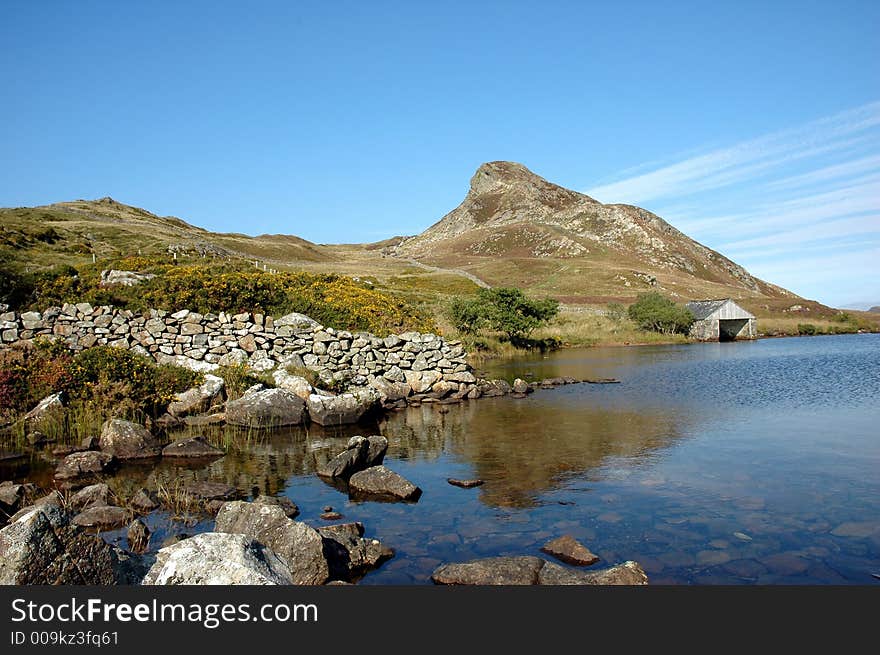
[{"x": 721, "y": 320}]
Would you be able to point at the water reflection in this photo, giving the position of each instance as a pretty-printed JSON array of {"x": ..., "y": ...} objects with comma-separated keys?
[{"x": 526, "y": 448}]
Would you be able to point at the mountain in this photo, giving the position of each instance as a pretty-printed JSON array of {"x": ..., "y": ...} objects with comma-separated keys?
[{"x": 514, "y": 226}]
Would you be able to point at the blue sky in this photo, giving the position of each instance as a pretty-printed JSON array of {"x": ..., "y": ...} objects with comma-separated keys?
[{"x": 752, "y": 126}]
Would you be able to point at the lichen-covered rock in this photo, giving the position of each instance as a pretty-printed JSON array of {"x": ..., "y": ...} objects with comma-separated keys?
[
  {"x": 360, "y": 453},
  {"x": 48, "y": 412},
  {"x": 297, "y": 544},
  {"x": 144, "y": 501},
  {"x": 567, "y": 549},
  {"x": 287, "y": 506},
  {"x": 102, "y": 516},
  {"x": 528, "y": 570},
  {"x": 193, "y": 448},
  {"x": 295, "y": 384},
  {"x": 213, "y": 558},
  {"x": 127, "y": 440},
  {"x": 269, "y": 408},
  {"x": 349, "y": 554},
  {"x": 381, "y": 483},
  {"x": 344, "y": 409},
  {"x": 198, "y": 399},
  {"x": 39, "y": 547},
  {"x": 89, "y": 462},
  {"x": 95, "y": 495}
]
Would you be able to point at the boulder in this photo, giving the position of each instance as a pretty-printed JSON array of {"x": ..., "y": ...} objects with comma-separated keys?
[
  {"x": 295, "y": 320},
  {"x": 39, "y": 547},
  {"x": 567, "y": 549},
  {"x": 344, "y": 409},
  {"x": 95, "y": 495},
  {"x": 89, "y": 462},
  {"x": 628, "y": 573},
  {"x": 388, "y": 390},
  {"x": 49, "y": 412},
  {"x": 490, "y": 388},
  {"x": 127, "y": 440},
  {"x": 213, "y": 558},
  {"x": 125, "y": 278},
  {"x": 198, "y": 399},
  {"x": 295, "y": 384},
  {"x": 138, "y": 536},
  {"x": 102, "y": 516},
  {"x": 269, "y": 408},
  {"x": 194, "y": 447},
  {"x": 490, "y": 571},
  {"x": 13, "y": 497},
  {"x": 144, "y": 501},
  {"x": 381, "y": 483},
  {"x": 521, "y": 386},
  {"x": 287, "y": 506},
  {"x": 297, "y": 544},
  {"x": 528, "y": 570},
  {"x": 422, "y": 381},
  {"x": 361, "y": 453},
  {"x": 348, "y": 554}
]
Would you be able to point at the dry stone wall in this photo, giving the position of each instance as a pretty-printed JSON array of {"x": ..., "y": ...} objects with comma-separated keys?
[{"x": 204, "y": 342}]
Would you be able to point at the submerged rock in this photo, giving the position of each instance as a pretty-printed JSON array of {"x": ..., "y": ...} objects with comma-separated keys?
[
  {"x": 90, "y": 462},
  {"x": 194, "y": 447},
  {"x": 567, "y": 549},
  {"x": 211, "y": 491},
  {"x": 528, "y": 570},
  {"x": 297, "y": 544},
  {"x": 464, "y": 484},
  {"x": 102, "y": 516},
  {"x": 381, "y": 483},
  {"x": 268, "y": 408},
  {"x": 127, "y": 440},
  {"x": 213, "y": 558}
]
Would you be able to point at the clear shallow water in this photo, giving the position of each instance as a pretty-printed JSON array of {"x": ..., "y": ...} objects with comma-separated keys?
[{"x": 735, "y": 463}]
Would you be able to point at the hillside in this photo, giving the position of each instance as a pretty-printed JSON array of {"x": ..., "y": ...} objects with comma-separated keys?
[
  {"x": 517, "y": 227},
  {"x": 513, "y": 228},
  {"x": 67, "y": 232}
]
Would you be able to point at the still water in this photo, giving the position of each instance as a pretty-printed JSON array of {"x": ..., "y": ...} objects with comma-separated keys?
[{"x": 735, "y": 463}]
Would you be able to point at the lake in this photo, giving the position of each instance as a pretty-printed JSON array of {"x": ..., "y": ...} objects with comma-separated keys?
[{"x": 721, "y": 463}]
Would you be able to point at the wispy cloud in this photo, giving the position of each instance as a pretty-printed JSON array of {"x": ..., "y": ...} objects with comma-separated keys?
[{"x": 764, "y": 200}]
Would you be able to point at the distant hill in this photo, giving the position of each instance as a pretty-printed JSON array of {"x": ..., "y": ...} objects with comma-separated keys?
[
  {"x": 514, "y": 226},
  {"x": 875, "y": 309},
  {"x": 65, "y": 232}
]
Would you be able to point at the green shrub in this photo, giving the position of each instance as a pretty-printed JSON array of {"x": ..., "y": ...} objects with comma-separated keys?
[
  {"x": 110, "y": 378},
  {"x": 467, "y": 316},
  {"x": 652, "y": 311},
  {"x": 503, "y": 309},
  {"x": 807, "y": 329}
]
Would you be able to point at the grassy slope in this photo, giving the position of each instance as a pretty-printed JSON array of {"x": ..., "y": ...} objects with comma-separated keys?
[{"x": 585, "y": 284}]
